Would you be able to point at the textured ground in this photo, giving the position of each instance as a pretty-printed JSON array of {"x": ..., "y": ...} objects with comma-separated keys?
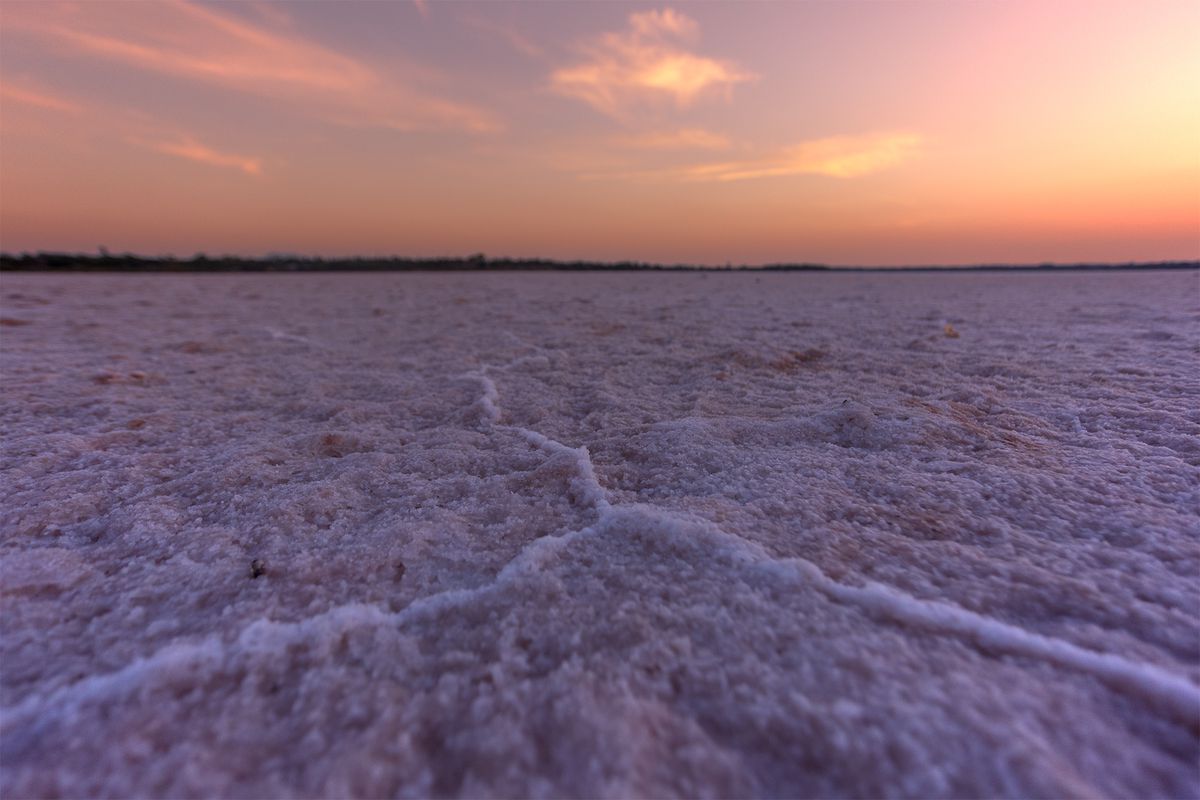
[{"x": 600, "y": 535}]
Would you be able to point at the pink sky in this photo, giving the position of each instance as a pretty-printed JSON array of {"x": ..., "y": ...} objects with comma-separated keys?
[{"x": 846, "y": 133}]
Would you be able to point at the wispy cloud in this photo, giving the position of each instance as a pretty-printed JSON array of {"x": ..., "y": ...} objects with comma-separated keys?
[
  {"x": 682, "y": 139},
  {"x": 422, "y": 7},
  {"x": 129, "y": 126},
  {"x": 270, "y": 12},
  {"x": 38, "y": 98},
  {"x": 509, "y": 34},
  {"x": 646, "y": 64},
  {"x": 835, "y": 157},
  {"x": 189, "y": 148},
  {"x": 183, "y": 39}
]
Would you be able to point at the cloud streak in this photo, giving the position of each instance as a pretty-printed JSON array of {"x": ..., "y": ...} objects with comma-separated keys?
[
  {"x": 834, "y": 157},
  {"x": 40, "y": 99},
  {"x": 646, "y": 65},
  {"x": 193, "y": 150},
  {"x": 188, "y": 41},
  {"x": 130, "y": 127},
  {"x": 682, "y": 139},
  {"x": 507, "y": 33}
]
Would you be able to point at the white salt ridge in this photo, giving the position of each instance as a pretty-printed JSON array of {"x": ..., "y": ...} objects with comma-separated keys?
[
  {"x": 588, "y": 488},
  {"x": 489, "y": 401},
  {"x": 1168, "y": 693},
  {"x": 1172, "y": 694},
  {"x": 283, "y": 336}
]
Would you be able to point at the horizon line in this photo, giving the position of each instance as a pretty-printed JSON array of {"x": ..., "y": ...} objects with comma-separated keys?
[{"x": 277, "y": 262}]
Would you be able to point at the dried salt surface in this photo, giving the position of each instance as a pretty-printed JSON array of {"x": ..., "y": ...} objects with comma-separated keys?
[{"x": 600, "y": 535}]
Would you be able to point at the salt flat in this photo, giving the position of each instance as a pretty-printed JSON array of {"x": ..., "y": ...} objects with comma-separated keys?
[{"x": 600, "y": 535}]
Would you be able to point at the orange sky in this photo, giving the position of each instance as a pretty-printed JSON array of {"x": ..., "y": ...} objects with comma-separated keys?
[{"x": 845, "y": 133}]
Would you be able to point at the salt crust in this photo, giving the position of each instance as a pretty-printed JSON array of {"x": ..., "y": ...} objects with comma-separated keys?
[{"x": 638, "y": 623}]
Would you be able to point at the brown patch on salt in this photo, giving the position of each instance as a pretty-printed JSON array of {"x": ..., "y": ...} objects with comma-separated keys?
[
  {"x": 969, "y": 419},
  {"x": 41, "y": 571},
  {"x": 194, "y": 347},
  {"x": 797, "y": 359},
  {"x": 336, "y": 445},
  {"x": 26, "y": 300},
  {"x": 777, "y": 361},
  {"x": 134, "y": 378}
]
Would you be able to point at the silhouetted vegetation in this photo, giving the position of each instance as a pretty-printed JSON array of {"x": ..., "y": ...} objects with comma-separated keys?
[{"x": 106, "y": 262}]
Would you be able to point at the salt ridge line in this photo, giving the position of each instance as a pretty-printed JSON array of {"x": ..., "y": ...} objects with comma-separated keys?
[
  {"x": 209, "y": 655},
  {"x": 279, "y": 335},
  {"x": 588, "y": 486},
  {"x": 1172, "y": 693},
  {"x": 490, "y": 400},
  {"x": 263, "y": 636},
  {"x": 180, "y": 655}
]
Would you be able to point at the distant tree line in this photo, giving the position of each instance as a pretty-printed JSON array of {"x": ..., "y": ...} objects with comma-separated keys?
[
  {"x": 127, "y": 262},
  {"x": 76, "y": 262}
]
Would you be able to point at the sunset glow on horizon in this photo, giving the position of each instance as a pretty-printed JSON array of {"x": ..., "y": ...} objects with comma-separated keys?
[{"x": 843, "y": 133}]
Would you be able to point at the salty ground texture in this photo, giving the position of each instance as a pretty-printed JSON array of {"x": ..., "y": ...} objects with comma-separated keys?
[{"x": 601, "y": 535}]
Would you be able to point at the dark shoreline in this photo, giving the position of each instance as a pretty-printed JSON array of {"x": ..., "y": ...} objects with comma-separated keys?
[{"x": 71, "y": 262}]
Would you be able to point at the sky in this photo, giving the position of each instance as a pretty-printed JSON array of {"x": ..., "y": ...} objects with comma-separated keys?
[{"x": 852, "y": 133}]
